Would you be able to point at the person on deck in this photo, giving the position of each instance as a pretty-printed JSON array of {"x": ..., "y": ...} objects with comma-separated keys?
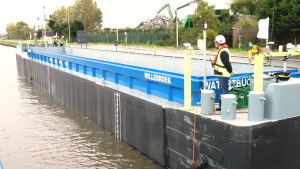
[{"x": 222, "y": 65}]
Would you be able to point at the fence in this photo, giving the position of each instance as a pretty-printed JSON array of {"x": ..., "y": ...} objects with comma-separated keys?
[{"x": 144, "y": 38}]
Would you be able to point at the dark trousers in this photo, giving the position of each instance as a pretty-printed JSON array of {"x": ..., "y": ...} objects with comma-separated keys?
[{"x": 224, "y": 85}]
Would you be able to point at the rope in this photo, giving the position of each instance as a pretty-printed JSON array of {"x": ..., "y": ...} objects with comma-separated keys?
[{"x": 193, "y": 154}]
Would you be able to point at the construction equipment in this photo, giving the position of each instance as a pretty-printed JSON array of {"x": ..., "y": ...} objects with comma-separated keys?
[
  {"x": 187, "y": 21},
  {"x": 169, "y": 10}
]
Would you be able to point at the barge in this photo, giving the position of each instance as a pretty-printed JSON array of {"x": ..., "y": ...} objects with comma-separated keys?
[{"x": 140, "y": 99}]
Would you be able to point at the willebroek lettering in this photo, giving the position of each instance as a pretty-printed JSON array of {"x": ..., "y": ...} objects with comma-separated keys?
[
  {"x": 240, "y": 83},
  {"x": 158, "y": 78}
]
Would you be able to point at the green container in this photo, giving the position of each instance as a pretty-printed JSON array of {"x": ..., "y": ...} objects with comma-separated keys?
[{"x": 241, "y": 94}]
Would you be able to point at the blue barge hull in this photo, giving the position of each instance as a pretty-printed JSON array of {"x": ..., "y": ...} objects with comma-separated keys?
[{"x": 141, "y": 72}]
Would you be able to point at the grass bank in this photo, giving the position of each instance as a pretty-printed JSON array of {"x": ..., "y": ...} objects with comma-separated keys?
[
  {"x": 232, "y": 50},
  {"x": 8, "y": 43}
]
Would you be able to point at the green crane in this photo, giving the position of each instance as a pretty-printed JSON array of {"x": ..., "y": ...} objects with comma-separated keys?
[
  {"x": 187, "y": 20},
  {"x": 169, "y": 10}
]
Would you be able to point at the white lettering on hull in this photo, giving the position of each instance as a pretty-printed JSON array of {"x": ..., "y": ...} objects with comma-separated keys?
[{"x": 158, "y": 78}]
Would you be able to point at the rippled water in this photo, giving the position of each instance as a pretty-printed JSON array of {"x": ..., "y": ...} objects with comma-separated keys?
[{"x": 37, "y": 131}]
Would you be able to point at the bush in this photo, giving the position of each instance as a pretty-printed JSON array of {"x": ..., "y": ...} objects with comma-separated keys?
[
  {"x": 122, "y": 42},
  {"x": 160, "y": 43},
  {"x": 170, "y": 42},
  {"x": 210, "y": 37}
]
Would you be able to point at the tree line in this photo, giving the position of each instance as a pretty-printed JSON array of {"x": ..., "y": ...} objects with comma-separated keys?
[
  {"x": 283, "y": 14},
  {"x": 83, "y": 15}
]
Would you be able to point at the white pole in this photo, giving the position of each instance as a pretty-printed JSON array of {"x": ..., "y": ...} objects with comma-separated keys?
[
  {"x": 69, "y": 27},
  {"x": 176, "y": 32},
  {"x": 45, "y": 28},
  {"x": 176, "y": 25},
  {"x": 117, "y": 20},
  {"x": 204, "y": 53}
]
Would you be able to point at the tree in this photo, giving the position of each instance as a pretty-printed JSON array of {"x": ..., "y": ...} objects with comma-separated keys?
[
  {"x": 76, "y": 25},
  {"x": 285, "y": 16},
  {"x": 89, "y": 14},
  {"x": 181, "y": 31},
  {"x": 210, "y": 36},
  {"x": 226, "y": 25},
  {"x": 248, "y": 32},
  {"x": 21, "y": 28},
  {"x": 11, "y": 30},
  {"x": 245, "y": 7},
  {"x": 205, "y": 12},
  {"x": 60, "y": 16}
]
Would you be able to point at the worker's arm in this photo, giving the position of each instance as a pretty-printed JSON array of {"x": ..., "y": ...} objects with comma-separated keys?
[{"x": 225, "y": 59}]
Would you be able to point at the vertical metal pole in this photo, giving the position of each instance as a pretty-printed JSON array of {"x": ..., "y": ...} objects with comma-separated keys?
[
  {"x": 115, "y": 114},
  {"x": 204, "y": 53},
  {"x": 176, "y": 25},
  {"x": 272, "y": 27},
  {"x": 45, "y": 28},
  {"x": 69, "y": 26},
  {"x": 21, "y": 49},
  {"x": 117, "y": 20},
  {"x": 176, "y": 32},
  {"x": 120, "y": 117}
]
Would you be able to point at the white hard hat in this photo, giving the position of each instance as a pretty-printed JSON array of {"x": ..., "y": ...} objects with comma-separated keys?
[{"x": 220, "y": 39}]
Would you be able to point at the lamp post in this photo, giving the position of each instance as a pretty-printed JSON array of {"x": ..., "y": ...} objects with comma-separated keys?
[
  {"x": 35, "y": 40},
  {"x": 63, "y": 39},
  {"x": 176, "y": 25},
  {"x": 45, "y": 21},
  {"x": 176, "y": 18},
  {"x": 117, "y": 41},
  {"x": 176, "y": 31},
  {"x": 69, "y": 25},
  {"x": 204, "y": 29},
  {"x": 117, "y": 21}
]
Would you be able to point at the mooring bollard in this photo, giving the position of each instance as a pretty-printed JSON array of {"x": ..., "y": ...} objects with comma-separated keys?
[
  {"x": 228, "y": 107},
  {"x": 256, "y": 106},
  {"x": 207, "y": 101}
]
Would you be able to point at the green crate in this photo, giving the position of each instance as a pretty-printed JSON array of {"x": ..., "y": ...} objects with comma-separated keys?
[{"x": 241, "y": 94}]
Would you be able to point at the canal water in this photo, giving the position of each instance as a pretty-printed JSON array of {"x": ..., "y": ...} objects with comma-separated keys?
[{"x": 37, "y": 131}]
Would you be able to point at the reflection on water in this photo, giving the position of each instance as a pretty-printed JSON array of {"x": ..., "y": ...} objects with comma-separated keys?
[{"x": 37, "y": 131}]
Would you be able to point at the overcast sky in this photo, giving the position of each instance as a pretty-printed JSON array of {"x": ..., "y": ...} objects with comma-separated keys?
[{"x": 116, "y": 13}]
